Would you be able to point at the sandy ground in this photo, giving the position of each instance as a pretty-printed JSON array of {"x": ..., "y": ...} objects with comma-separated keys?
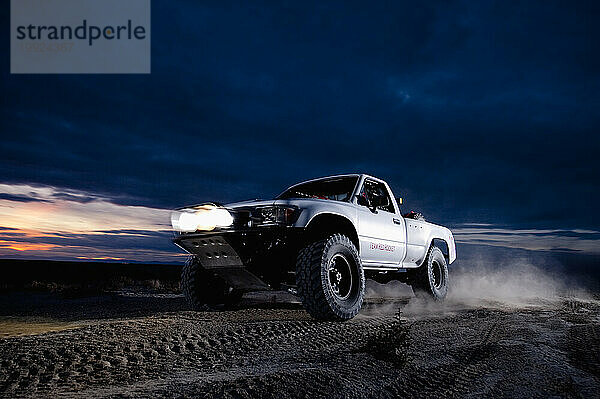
[{"x": 133, "y": 343}]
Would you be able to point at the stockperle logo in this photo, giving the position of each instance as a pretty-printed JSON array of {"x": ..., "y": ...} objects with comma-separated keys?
[{"x": 80, "y": 36}]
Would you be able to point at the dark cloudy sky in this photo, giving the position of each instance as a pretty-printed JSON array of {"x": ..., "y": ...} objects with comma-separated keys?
[{"x": 475, "y": 112}]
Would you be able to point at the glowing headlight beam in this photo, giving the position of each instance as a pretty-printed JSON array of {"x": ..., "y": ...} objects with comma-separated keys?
[{"x": 206, "y": 217}]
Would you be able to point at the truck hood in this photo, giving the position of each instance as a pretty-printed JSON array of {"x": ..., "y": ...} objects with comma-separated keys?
[
  {"x": 267, "y": 202},
  {"x": 299, "y": 202},
  {"x": 249, "y": 203}
]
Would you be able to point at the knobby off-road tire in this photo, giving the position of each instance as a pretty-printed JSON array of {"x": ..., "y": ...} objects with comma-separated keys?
[
  {"x": 330, "y": 278},
  {"x": 430, "y": 280},
  {"x": 203, "y": 289}
]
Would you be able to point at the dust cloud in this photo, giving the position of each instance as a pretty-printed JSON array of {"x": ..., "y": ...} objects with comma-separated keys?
[
  {"x": 514, "y": 284},
  {"x": 393, "y": 289},
  {"x": 481, "y": 283}
]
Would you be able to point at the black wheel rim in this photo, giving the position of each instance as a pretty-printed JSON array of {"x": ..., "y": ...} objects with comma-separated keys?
[
  {"x": 340, "y": 278},
  {"x": 438, "y": 275}
]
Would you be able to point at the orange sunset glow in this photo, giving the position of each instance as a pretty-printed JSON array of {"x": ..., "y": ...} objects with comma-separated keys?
[
  {"x": 47, "y": 222},
  {"x": 19, "y": 246}
]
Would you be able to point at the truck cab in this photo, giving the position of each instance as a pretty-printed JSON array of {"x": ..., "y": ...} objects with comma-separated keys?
[{"x": 387, "y": 238}]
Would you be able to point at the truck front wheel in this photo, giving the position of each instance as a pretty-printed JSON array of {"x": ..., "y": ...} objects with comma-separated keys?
[
  {"x": 430, "y": 280},
  {"x": 330, "y": 278},
  {"x": 203, "y": 289}
]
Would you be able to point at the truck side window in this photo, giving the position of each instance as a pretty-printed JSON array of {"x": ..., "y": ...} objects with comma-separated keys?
[{"x": 372, "y": 189}]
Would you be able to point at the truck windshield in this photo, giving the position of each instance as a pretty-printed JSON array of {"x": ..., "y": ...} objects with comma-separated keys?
[{"x": 337, "y": 189}]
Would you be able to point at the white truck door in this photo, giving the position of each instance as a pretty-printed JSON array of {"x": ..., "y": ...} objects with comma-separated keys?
[{"x": 381, "y": 229}]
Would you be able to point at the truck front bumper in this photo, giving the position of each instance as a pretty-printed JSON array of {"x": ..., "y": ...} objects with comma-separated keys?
[
  {"x": 243, "y": 247},
  {"x": 248, "y": 259}
]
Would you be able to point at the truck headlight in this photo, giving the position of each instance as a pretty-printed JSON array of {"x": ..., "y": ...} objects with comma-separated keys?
[
  {"x": 204, "y": 217},
  {"x": 275, "y": 215}
]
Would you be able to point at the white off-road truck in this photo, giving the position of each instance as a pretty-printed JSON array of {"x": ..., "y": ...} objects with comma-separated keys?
[{"x": 320, "y": 238}]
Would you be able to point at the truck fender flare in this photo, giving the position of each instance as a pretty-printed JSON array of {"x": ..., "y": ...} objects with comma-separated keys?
[
  {"x": 441, "y": 241},
  {"x": 333, "y": 222}
]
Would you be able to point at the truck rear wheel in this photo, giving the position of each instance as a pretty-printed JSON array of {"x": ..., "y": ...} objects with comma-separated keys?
[
  {"x": 330, "y": 278},
  {"x": 203, "y": 289},
  {"x": 430, "y": 280}
]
